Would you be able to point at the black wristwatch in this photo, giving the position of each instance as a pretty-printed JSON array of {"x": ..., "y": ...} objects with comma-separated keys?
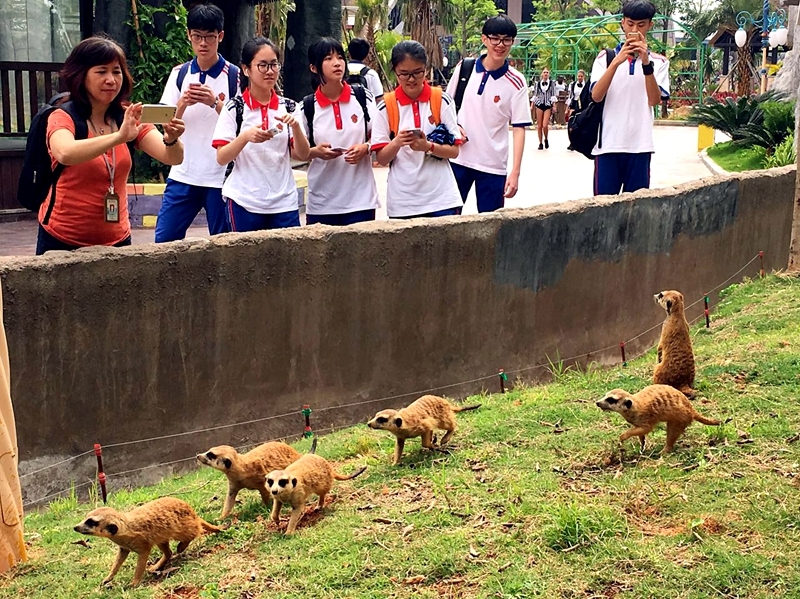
[{"x": 648, "y": 69}]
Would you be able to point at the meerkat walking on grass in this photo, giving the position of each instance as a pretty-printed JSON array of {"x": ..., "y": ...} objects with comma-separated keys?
[
  {"x": 420, "y": 419},
  {"x": 153, "y": 524},
  {"x": 653, "y": 404},
  {"x": 249, "y": 470},
  {"x": 675, "y": 356},
  {"x": 310, "y": 475}
]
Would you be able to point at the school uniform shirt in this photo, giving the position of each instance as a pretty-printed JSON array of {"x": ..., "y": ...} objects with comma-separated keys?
[
  {"x": 261, "y": 181},
  {"x": 492, "y": 100},
  {"x": 373, "y": 79},
  {"x": 334, "y": 186},
  {"x": 79, "y": 213},
  {"x": 578, "y": 95},
  {"x": 627, "y": 114},
  {"x": 418, "y": 183},
  {"x": 199, "y": 166}
]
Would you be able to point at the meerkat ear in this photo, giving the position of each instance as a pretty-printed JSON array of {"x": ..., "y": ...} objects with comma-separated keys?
[
  {"x": 294, "y": 482},
  {"x": 628, "y": 404},
  {"x": 227, "y": 463},
  {"x": 112, "y": 529},
  {"x": 669, "y": 306},
  {"x": 398, "y": 422}
]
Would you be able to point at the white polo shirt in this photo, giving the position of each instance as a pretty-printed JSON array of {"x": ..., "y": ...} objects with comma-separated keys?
[
  {"x": 334, "y": 186},
  {"x": 199, "y": 166},
  {"x": 373, "y": 79},
  {"x": 627, "y": 114},
  {"x": 492, "y": 100},
  {"x": 418, "y": 183},
  {"x": 261, "y": 181}
]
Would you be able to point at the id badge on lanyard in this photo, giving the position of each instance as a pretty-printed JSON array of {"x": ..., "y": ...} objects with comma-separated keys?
[{"x": 111, "y": 199}]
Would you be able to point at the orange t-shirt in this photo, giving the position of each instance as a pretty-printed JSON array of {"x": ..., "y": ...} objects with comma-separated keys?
[{"x": 79, "y": 213}]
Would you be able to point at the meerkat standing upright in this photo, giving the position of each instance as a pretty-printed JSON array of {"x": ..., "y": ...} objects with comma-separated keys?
[
  {"x": 653, "y": 404},
  {"x": 310, "y": 475},
  {"x": 249, "y": 470},
  {"x": 153, "y": 524},
  {"x": 675, "y": 356},
  {"x": 420, "y": 419}
]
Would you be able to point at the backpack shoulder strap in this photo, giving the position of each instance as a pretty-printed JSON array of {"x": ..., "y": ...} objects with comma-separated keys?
[
  {"x": 464, "y": 73},
  {"x": 361, "y": 96},
  {"x": 308, "y": 111},
  {"x": 233, "y": 80},
  {"x": 238, "y": 104},
  {"x": 363, "y": 72},
  {"x": 182, "y": 74},
  {"x": 436, "y": 104},
  {"x": 81, "y": 126},
  {"x": 610, "y": 55},
  {"x": 392, "y": 113}
]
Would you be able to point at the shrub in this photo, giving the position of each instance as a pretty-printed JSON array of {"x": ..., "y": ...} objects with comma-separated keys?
[
  {"x": 778, "y": 124},
  {"x": 729, "y": 115},
  {"x": 784, "y": 154}
]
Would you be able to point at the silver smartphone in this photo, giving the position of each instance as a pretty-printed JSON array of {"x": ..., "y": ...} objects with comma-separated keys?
[{"x": 157, "y": 113}]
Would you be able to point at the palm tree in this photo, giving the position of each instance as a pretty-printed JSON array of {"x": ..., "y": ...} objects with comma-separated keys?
[
  {"x": 422, "y": 19},
  {"x": 369, "y": 15}
]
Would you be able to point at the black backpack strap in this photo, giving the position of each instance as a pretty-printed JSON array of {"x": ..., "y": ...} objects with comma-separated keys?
[
  {"x": 308, "y": 111},
  {"x": 238, "y": 104},
  {"x": 81, "y": 132},
  {"x": 182, "y": 74},
  {"x": 611, "y": 53},
  {"x": 464, "y": 73},
  {"x": 363, "y": 72},
  {"x": 361, "y": 95},
  {"x": 233, "y": 80}
]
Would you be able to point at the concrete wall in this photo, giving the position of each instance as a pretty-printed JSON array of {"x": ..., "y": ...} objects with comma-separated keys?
[{"x": 113, "y": 345}]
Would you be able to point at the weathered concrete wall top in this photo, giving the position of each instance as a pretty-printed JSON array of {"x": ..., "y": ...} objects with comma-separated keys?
[{"x": 115, "y": 345}]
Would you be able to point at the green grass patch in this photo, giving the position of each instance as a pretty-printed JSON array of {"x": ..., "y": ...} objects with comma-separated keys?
[
  {"x": 519, "y": 507},
  {"x": 736, "y": 158}
]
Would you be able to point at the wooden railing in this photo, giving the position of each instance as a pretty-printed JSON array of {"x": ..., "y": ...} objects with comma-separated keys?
[{"x": 24, "y": 87}]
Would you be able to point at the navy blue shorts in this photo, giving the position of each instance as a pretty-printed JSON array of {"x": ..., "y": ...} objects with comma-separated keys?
[
  {"x": 340, "y": 220},
  {"x": 490, "y": 189},
  {"x": 182, "y": 203},
  {"x": 241, "y": 220},
  {"x": 617, "y": 172}
]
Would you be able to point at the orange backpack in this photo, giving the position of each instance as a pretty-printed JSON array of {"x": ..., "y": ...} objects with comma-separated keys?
[{"x": 393, "y": 109}]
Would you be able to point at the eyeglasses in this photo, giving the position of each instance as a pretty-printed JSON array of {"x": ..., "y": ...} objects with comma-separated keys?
[
  {"x": 264, "y": 67},
  {"x": 412, "y": 75},
  {"x": 496, "y": 41},
  {"x": 199, "y": 38}
]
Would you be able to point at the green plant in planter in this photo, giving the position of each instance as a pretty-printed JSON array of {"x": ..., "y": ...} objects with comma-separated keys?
[
  {"x": 729, "y": 115},
  {"x": 777, "y": 125},
  {"x": 784, "y": 154}
]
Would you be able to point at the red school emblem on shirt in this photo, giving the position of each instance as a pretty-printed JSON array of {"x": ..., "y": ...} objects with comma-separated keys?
[
  {"x": 496, "y": 99},
  {"x": 221, "y": 97},
  {"x": 279, "y": 126},
  {"x": 354, "y": 118}
]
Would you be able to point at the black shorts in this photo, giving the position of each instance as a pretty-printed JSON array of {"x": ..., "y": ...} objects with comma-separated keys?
[{"x": 544, "y": 106}]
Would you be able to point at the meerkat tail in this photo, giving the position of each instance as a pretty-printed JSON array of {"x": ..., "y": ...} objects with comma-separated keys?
[
  {"x": 465, "y": 408},
  {"x": 338, "y": 476},
  {"x": 313, "y": 445},
  {"x": 703, "y": 420},
  {"x": 210, "y": 527}
]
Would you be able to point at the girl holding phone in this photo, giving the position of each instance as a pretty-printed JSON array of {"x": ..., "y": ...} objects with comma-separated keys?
[
  {"x": 341, "y": 186},
  {"x": 421, "y": 181},
  {"x": 260, "y": 192}
]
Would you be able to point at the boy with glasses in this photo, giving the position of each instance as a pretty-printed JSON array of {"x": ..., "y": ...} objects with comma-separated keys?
[
  {"x": 496, "y": 94},
  {"x": 631, "y": 86},
  {"x": 199, "y": 88}
]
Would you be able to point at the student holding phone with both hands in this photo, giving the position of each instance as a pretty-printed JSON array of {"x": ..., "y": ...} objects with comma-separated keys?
[{"x": 635, "y": 81}]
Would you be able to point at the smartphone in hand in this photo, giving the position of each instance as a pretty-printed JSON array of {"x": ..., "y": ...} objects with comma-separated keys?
[
  {"x": 416, "y": 131},
  {"x": 157, "y": 113}
]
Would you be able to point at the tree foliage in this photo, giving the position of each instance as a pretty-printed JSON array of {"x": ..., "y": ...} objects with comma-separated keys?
[
  {"x": 468, "y": 17},
  {"x": 371, "y": 14}
]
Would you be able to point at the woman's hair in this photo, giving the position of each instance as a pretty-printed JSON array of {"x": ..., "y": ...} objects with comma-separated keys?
[
  {"x": 319, "y": 51},
  {"x": 409, "y": 49},
  {"x": 249, "y": 51},
  {"x": 93, "y": 52}
]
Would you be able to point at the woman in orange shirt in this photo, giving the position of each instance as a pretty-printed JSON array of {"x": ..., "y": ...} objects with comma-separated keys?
[{"x": 90, "y": 206}]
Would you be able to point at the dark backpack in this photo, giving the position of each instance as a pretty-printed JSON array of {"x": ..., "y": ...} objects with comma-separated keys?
[
  {"x": 585, "y": 128},
  {"x": 359, "y": 91},
  {"x": 359, "y": 78},
  {"x": 233, "y": 78},
  {"x": 467, "y": 66},
  {"x": 238, "y": 106},
  {"x": 38, "y": 177}
]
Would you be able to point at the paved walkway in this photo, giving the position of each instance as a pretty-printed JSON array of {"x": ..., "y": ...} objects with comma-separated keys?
[{"x": 548, "y": 176}]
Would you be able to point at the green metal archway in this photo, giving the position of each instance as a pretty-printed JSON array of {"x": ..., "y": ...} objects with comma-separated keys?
[{"x": 572, "y": 44}]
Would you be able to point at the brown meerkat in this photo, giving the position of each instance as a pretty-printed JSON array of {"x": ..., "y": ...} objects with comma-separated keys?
[
  {"x": 648, "y": 407},
  {"x": 675, "y": 356},
  {"x": 310, "y": 475},
  {"x": 249, "y": 470},
  {"x": 420, "y": 419},
  {"x": 153, "y": 524}
]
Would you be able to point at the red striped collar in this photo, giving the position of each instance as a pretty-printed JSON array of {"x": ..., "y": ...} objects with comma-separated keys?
[
  {"x": 252, "y": 103},
  {"x": 324, "y": 101},
  {"x": 424, "y": 96}
]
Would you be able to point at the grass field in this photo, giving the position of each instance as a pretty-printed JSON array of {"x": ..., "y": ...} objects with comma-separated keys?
[
  {"x": 735, "y": 158},
  {"x": 535, "y": 500}
]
